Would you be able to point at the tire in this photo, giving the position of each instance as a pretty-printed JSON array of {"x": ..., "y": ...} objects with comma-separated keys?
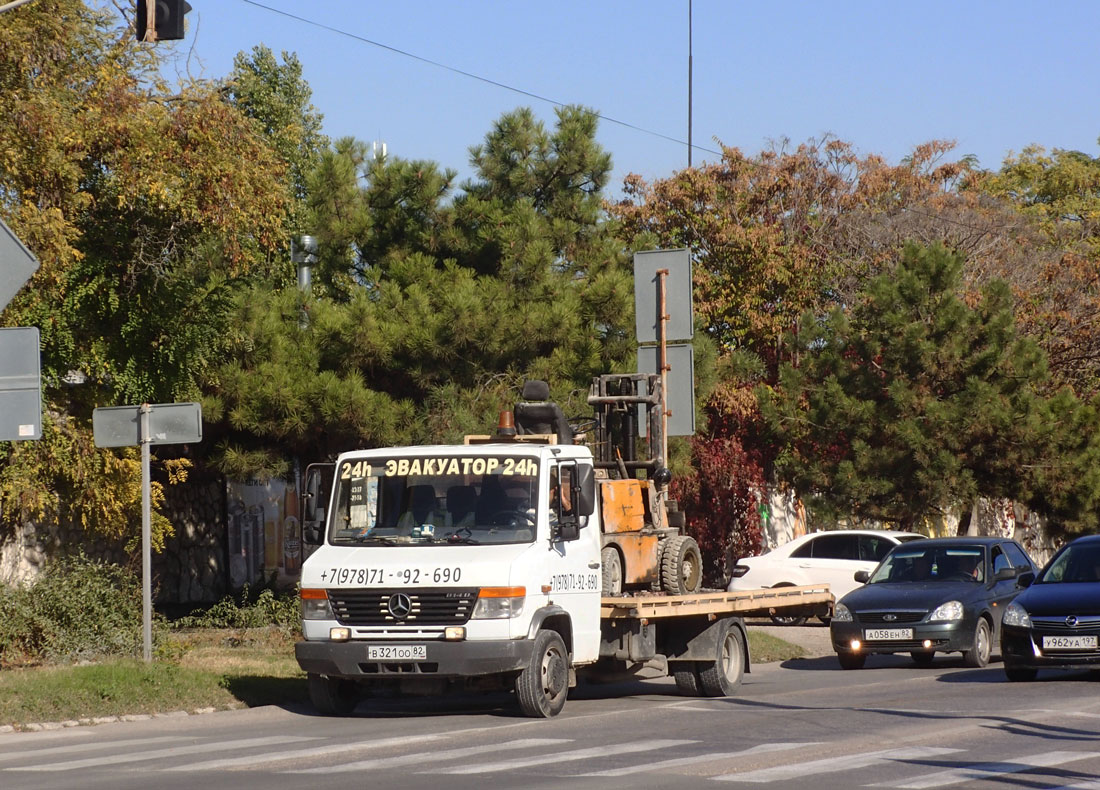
[
  {"x": 687, "y": 679},
  {"x": 923, "y": 658},
  {"x": 850, "y": 660},
  {"x": 681, "y": 566},
  {"x": 611, "y": 565},
  {"x": 722, "y": 677},
  {"x": 332, "y": 696},
  {"x": 1020, "y": 674},
  {"x": 787, "y": 619},
  {"x": 655, "y": 585},
  {"x": 542, "y": 687},
  {"x": 981, "y": 648}
]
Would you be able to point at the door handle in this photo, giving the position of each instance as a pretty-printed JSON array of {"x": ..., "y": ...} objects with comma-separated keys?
[{"x": 593, "y": 565}]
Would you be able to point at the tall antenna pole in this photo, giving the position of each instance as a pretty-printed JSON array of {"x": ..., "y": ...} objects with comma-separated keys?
[{"x": 689, "y": 83}]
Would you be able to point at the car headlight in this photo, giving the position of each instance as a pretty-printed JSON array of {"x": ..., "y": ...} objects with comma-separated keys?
[
  {"x": 841, "y": 614},
  {"x": 315, "y": 605},
  {"x": 1016, "y": 615},
  {"x": 952, "y": 610},
  {"x": 499, "y": 603}
]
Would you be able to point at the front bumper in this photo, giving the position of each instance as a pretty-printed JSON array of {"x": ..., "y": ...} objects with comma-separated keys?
[
  {"x": 444, "y": 659},
  {"x": 943, "y": 637},
  {"x": 1021, "y": 647}
]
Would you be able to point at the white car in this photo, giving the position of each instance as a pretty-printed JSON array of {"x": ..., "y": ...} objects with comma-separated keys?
[{"x": 831, "y": 557}]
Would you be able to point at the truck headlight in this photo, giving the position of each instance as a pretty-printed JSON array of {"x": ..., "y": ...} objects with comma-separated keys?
[
  {"x": 499, "y": 603},
  {"x": 315, "y": 605},
  {"x": 1016, "y": 615},
  {"x": 952, "y": 610}
]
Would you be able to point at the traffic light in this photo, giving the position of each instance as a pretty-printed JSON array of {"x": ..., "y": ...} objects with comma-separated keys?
[{"x": 168, "y": 24}]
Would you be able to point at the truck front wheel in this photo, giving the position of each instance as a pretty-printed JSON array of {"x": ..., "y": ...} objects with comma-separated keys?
[
  {"x": 722, "y": 677},
  {"x": 332, "y": 696},
  {"x": 542, "y": 687}
]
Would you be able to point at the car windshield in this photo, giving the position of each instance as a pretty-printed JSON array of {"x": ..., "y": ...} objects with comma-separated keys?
[
  {"x": 1075, "y": 563},
  {"x": 915, "y": 562},
  {"x": 425, "y": 500}
]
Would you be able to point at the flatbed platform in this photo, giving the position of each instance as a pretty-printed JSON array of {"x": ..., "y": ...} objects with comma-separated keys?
[{"x": 746, "y": 603}]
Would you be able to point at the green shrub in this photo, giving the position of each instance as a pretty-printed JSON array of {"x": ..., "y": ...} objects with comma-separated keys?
[
  {"x": 248, "y": 610},
  {"x": 78, "y": 609}
]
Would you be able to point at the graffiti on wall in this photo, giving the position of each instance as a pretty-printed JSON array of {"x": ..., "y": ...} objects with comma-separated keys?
[{"x": 265, "y": 534}]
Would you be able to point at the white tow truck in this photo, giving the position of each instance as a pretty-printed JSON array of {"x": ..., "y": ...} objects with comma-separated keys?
[{"x": 483, "y": 566}]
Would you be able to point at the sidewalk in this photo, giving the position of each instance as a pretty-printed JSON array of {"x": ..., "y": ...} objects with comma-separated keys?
[{"x": 812, "y": 637}]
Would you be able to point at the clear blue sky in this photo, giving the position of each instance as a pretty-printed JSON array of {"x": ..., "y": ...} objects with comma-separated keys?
[{"x": 885, "y": 76}]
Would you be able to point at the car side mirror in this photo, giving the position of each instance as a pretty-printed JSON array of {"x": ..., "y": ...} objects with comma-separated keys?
[
  {"x": 1026, "y": 579},
  {"x": 1004, "y": 574},
  {"x": 862, "y": 576},
  {"x": 314, "y": 497}
]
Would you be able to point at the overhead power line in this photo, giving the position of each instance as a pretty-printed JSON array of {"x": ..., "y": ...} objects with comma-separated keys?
[{"x": 467, "y": 74}]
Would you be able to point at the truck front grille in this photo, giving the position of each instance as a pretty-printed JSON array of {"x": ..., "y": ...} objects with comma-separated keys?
[{"x": 373, "y": 607}]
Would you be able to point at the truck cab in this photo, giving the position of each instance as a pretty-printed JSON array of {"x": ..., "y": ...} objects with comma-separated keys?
[{"x": 440, "y": 566}]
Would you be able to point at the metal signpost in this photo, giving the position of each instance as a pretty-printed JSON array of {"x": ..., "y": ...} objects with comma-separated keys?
[{"x": 161, "y": 423}]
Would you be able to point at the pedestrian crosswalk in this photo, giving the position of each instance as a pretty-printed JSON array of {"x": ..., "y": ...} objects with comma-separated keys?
[{"x": 914, "y": 767}]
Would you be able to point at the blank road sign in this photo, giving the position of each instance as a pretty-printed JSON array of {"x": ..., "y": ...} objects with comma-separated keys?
[
  {"x": 680, "y": 395},
  {"x": 681, "y": 324},
  {"x": 17, "y": 264},
  {"x": 169, "y": 423},
  {"x": 20, "y": 384}
]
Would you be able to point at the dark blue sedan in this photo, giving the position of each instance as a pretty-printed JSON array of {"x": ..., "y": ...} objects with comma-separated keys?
[
  {"x": 1056, "y": 621},
  {"x": 943, "y": 595}
]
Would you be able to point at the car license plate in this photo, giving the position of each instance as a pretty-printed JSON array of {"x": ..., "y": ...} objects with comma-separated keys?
[
  {"x": 878, "y": 634},
  {"x": 396, "y": 652},
  {"x": 1080, "y": 642}
]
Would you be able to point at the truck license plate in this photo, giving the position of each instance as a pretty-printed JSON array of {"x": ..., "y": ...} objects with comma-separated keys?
[
  {"x": 873, "y": 634},
  {"x": 396, "y": 652},
  {"x": 1079, "y": 642}
]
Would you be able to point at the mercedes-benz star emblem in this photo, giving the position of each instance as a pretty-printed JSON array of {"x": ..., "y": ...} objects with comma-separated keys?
[
  {"x": 1071, "y": 621},
  {"x": 399, "y": 605}
]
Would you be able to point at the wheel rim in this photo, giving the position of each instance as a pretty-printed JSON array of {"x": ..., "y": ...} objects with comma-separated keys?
[
  {"x": 554, "y": 674},
  {"x": 984, "y": 645},
  {"x": 731, "y": 657}
]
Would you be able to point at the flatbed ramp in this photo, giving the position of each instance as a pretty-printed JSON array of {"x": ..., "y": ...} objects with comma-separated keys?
[{"x": 746, "y": 603}]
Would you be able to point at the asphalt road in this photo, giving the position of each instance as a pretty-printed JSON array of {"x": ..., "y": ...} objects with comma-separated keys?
[{"x": 890, "y": 725}]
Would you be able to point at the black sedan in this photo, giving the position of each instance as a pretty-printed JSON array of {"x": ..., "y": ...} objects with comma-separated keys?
[
  {"x": 1056, "y": 621},
  {"x": 943, "y": 595}
]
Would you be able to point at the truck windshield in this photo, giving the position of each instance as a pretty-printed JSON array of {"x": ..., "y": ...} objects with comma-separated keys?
[{"x": 427, "y": 500}]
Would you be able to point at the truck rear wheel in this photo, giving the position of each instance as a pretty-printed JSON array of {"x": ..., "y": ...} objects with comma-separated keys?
[
  {"x": 612, "y": 568},
  {"x": 542, "y": 687},
  {"x": 687, "y": 679},
  {"x": 681, "y": 566},
  {"x": 332, "y": 696},
  {"x": 722, "y": 677}
]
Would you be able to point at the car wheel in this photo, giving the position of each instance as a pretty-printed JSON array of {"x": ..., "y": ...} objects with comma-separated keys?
[
  {"x": 1020, "y": 674},
  {"x": 850, "y": 660},
  {"x": 788, "y": 619},
  {"x": 923, "y": 658},
  {"x": 978, "y": 654}
]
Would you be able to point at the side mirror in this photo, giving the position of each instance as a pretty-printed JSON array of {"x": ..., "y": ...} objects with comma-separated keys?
[
  {"x": 862, "y": 576},
  {"x": 584, "y": 490},
  {"x": 1004, "y": 574},
  {"x": 314, "y": 497},
  {"x": 1026, "y": 579}
]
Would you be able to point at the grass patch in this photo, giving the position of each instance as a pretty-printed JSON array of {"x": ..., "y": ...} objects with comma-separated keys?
[
  {"x": 204, "y": 668},
  {"x": 764, "y": 648}
]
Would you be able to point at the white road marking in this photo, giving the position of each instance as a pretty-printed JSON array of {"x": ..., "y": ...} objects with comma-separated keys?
[
  {"x": 845, "y": 762},
  {"x": 84, "y": 746},
  {"x": 159, "y": 754},
  {"x": 989, "y": 770},
  {"x": 701, "y": 758},
  {"x": 447, "y": 754},
  {"x": 561, "y": 757},
  {"x": 313, "y": 751}
]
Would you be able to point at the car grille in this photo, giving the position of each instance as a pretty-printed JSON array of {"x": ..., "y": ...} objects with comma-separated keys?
[
  {"x": 1057, "y": 625},
  {"x": 890, "y": 618},
  {"x": 425, "y": 607}
]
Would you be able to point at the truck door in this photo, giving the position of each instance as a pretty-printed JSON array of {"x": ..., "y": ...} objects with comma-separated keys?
[{"x": 574, "y": 561}]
